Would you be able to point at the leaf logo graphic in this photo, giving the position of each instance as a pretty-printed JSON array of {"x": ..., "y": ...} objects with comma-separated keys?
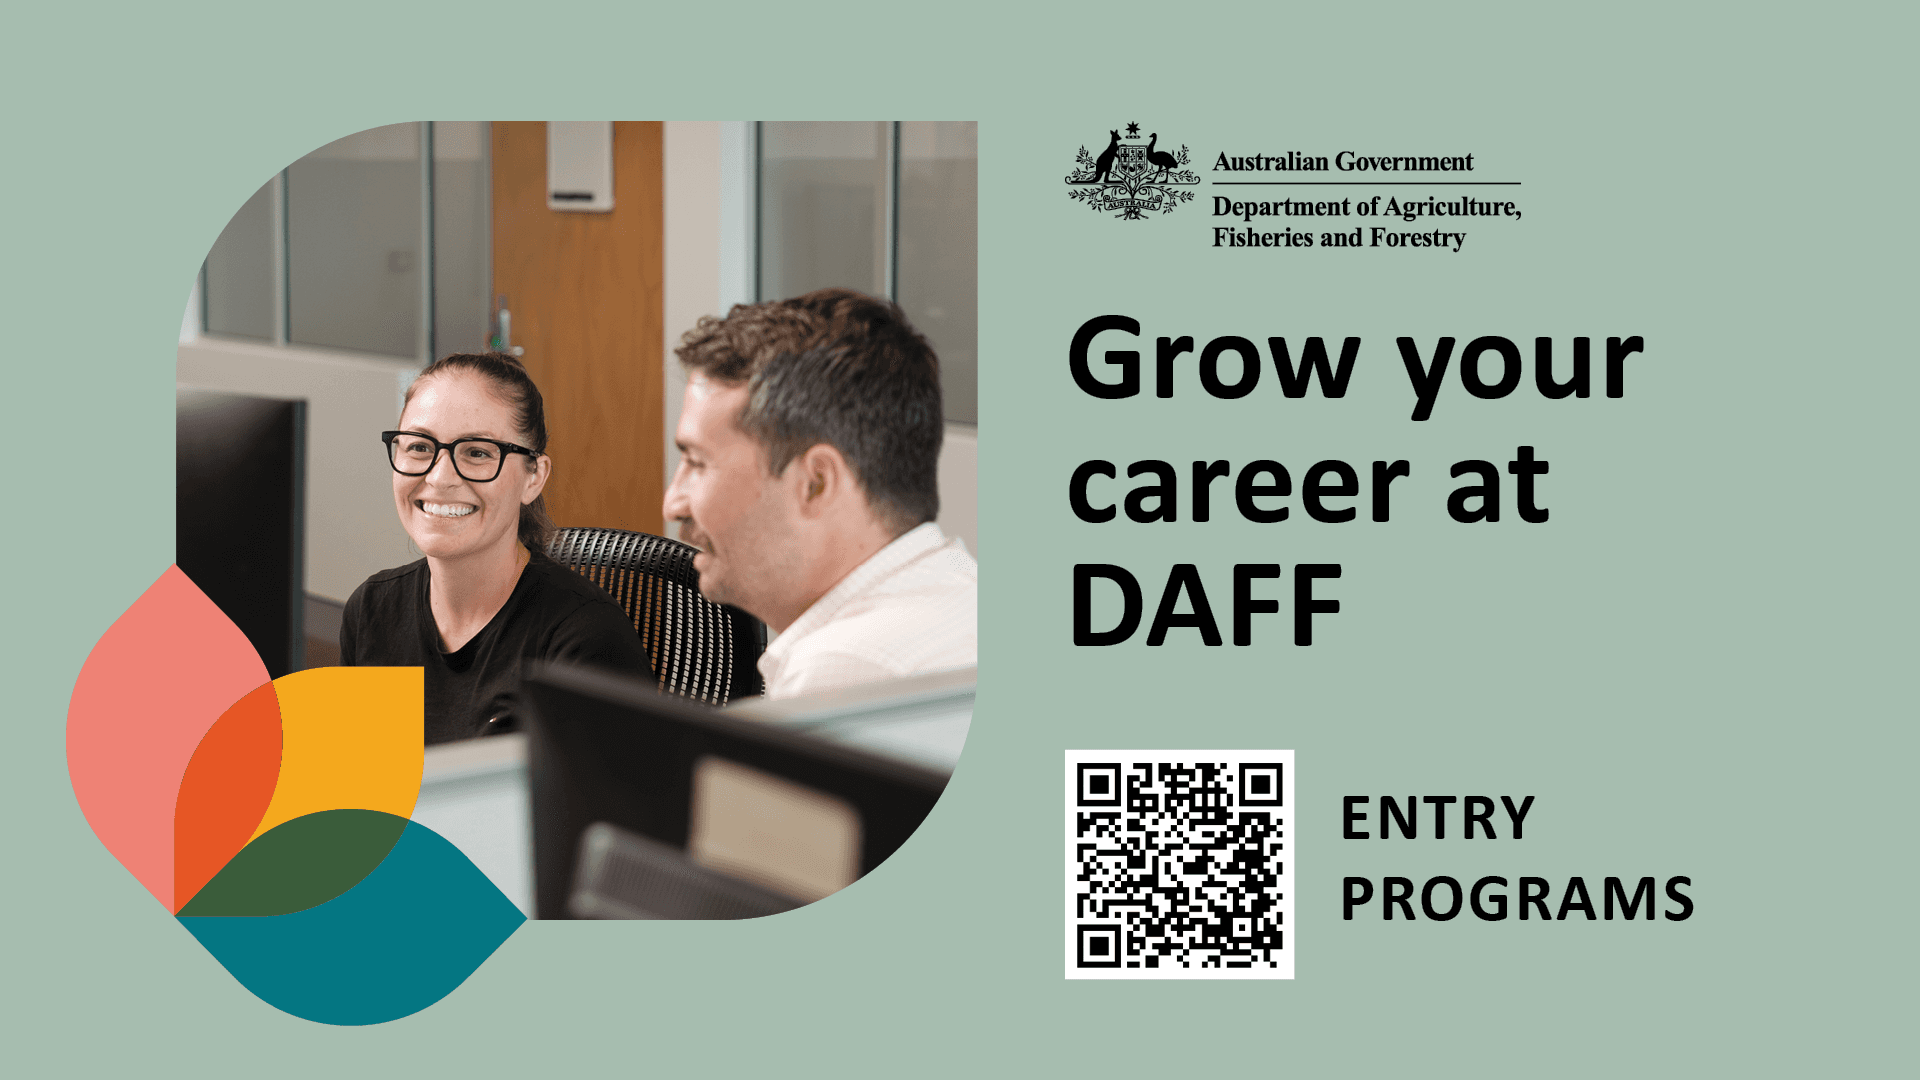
[{"x": 271, "y": 817}]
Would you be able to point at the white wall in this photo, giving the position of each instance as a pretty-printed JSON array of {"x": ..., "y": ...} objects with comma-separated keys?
[
  {"x": 960, "y": 485},
  {"x": 691, "y": 193}
]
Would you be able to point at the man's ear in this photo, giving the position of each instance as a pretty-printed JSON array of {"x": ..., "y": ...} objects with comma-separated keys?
[
  {"x": 825, "y": 478},
  {"x": 542, "y": 472}
]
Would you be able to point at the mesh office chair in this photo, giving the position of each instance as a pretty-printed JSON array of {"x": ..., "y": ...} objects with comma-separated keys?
[{"x": 701, "y": 650}]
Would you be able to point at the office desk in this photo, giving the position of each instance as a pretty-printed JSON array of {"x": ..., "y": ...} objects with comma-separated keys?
[
  {"x": 922, "y": 720},
  {"x": 474, "y": 793}
]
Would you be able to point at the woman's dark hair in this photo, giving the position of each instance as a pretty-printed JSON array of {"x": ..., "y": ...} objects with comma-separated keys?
[{"x": 514, "y": 387}]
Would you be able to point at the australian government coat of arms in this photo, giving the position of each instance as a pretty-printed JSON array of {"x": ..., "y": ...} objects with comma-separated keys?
[{"x": 1132, "y": 179}]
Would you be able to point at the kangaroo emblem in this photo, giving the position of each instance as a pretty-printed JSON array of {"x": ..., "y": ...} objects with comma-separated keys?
[{"x": 1104, "y": 164}]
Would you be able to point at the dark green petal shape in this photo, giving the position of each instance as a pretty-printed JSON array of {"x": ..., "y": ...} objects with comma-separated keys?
[{"x": 300, "y": 864}]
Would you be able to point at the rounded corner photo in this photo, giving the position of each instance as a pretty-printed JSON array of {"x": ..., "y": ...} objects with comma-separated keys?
[{"x": 651, "y": 446}]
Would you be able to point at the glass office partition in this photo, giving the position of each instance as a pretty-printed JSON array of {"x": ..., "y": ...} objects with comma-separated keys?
[
  {"x": 886, "y": 208},
  {"x": 344, "y": 266},
  {"x": 354, "y": 244},
  {"x": 462, "y": 237},
  {"x": 938, "y": 251},
  {"x": 241, "y": 288},
  {"x": 824, "y": 206}
]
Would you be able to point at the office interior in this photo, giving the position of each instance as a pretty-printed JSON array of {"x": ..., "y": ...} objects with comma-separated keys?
[{"x": 356, "y": 265}]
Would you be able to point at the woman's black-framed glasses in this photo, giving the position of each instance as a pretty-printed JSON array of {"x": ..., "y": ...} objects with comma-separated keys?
[{"x": 478, "y": 460}]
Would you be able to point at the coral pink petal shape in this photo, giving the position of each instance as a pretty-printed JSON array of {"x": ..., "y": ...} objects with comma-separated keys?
[{"x": 158, "y": 679}]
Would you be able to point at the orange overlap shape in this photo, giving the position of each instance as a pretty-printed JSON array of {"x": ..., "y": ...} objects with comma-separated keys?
[{"x": 227, "y": 788}]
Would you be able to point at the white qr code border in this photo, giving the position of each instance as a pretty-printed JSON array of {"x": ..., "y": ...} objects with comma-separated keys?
[{"x": 1103, "y": 924}]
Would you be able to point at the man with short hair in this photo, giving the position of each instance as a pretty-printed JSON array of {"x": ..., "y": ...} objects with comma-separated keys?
[{"x": 809, "y": 439}]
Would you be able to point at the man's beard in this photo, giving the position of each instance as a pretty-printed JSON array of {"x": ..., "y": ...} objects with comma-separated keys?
[{"x": 691, "y": 534}]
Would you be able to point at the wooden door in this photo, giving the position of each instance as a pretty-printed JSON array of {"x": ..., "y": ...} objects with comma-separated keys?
[{"x": 585, "y": 291}]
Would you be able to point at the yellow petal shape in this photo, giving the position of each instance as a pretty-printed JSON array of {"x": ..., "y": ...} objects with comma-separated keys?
[{"x": 353, "y": 738}]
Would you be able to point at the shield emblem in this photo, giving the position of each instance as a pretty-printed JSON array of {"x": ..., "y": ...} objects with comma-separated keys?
[{"x": 1130, "y": 164}]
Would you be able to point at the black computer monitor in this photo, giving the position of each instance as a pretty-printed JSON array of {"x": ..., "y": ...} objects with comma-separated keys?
[
  {"x": 240, "y": 514},
  {"x": 606, "y": 748}
]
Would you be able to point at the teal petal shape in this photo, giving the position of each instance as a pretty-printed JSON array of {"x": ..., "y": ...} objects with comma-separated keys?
[{"x": 397, "y": 942}]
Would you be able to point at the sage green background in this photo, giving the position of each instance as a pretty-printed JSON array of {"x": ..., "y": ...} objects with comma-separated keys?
[{"x": 1700, "y": 665}]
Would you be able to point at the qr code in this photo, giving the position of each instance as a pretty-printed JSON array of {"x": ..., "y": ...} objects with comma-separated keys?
[{"x": 1178, "y": 864}]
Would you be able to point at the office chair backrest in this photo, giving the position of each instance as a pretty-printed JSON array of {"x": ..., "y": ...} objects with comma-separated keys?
[{"x": 701, "y": 650}]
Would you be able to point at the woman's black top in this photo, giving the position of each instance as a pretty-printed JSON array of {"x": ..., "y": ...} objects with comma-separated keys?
[{"x": 553, "y": 614}]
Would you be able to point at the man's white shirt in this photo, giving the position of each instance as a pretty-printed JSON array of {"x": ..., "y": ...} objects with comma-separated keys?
[{"x": 911, "y": 609}]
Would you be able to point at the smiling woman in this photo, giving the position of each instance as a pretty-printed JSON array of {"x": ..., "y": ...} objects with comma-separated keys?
[{"x": 469, "y": 467}]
